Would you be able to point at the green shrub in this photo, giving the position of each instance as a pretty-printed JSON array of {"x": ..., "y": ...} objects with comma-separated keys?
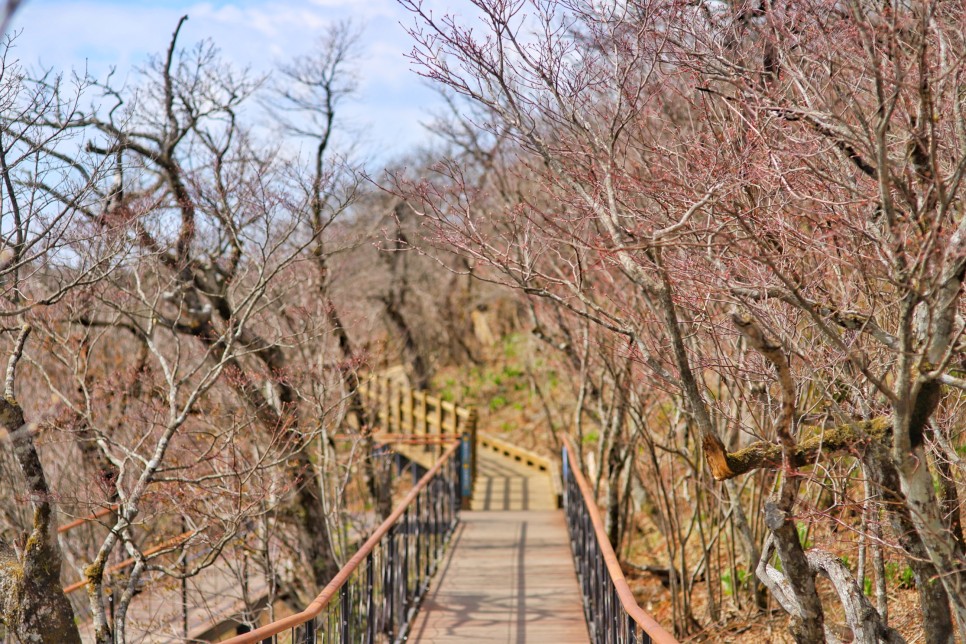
[
  {"x": 497, "y": 402},
  {"x": 802, "y": 530},
  {"x": 901, "y": 576},
  {"x": 729, "y": 587}
]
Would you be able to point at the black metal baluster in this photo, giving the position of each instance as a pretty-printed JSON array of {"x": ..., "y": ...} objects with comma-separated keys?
[
  {"x": 370, "y": 599},
  {"x": 390, "y": 583},
  {"x": 345, "y": 630},
  {"x": 308, "y": 636},
  {"x": 612, "y": 619},
  {"x": 417, "y": 569},
  {"x": 404, "y": 586}
]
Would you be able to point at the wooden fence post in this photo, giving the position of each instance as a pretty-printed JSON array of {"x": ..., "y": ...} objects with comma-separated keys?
[
  {"x": 384, "y": 400},
  {"x": 397, "y": 409},
  {"x": 424, "y": 414},
  {"x": 439, "y": 417},
  {"x": 410, "y": 410}
]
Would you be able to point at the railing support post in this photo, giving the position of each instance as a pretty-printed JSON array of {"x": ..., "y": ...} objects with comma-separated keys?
[
  {"x": 346, "y": 621},
  {"x": 564, "y": 467},
  {"x": 308, "y": 636},
  {"x": 371, "y": 599},
  {"x": 468, "y": 459},
  {"x": 384, "y": 400}
]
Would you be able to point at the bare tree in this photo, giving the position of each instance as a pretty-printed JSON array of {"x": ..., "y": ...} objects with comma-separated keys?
[
  {"x": 37, "y": 270},
  {"x": 33, "y": 604},
  {"x": 164, "y": 266},
  {"x": 712, "y": 179}
]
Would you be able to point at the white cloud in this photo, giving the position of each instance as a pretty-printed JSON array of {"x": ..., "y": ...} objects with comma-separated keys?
[{"x": 65, "y": 34}]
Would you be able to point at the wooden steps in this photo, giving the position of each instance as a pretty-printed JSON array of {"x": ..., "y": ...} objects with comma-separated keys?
[
  {"x": 504, "y": 484},
  {"x": 507, "y": 478},
  {"x": 424, "y": 456}
]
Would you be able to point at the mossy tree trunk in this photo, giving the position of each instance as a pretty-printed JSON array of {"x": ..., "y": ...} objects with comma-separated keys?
[{"x": 32, "y": 601}]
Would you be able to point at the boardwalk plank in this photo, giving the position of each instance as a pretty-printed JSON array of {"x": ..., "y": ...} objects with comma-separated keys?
[
  {"x": 508, "y": 577},
  {"x": 503, "y": 484}
]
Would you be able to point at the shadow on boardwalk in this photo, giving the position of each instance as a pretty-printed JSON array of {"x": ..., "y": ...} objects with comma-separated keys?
[{"x": 508, "y": 577}]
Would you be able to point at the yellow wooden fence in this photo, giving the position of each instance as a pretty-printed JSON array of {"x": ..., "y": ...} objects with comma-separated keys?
[{"x": 408, "y": 416}]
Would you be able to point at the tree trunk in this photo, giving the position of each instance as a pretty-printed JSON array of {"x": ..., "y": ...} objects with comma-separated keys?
[
  {"x": 807, "y": 623},
  {"x": 933, "y": 601},
  {"x": 313, "y": 532},
  {"x": 418, "y": 367},
  {"x": 32, "y": 600},
  {"x": 614, "y": 470}
]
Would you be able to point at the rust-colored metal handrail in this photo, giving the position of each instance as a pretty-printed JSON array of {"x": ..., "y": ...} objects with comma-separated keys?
[
  {"x": 164, "y": 545},
  {"x": 91, "y": 517},
  {"x": 332, "y": 589},
  {"x": 596, "y": 562}
]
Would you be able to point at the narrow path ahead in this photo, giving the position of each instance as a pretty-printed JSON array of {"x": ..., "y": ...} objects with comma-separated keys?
[
  {"x": 504, "y": 484},
  {"x": 509, "y": 574},
  {"x": 508, "y": 577}
]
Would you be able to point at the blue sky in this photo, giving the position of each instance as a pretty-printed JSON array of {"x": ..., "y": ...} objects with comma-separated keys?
[{"x": 385, "y": 118}]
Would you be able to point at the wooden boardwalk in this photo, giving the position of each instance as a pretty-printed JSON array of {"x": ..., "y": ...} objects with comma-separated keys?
[
  {"x": 508, "y": 577},
  {"x": 509, "y": 574},
  {"x": 504, "y": 484}
]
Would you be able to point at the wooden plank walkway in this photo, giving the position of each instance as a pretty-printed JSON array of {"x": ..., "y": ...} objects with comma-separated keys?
[
  {"x": 508, "y": 577},
  {"x": 501, "y": 483},
  {"x": 505, "y": 484},
  {"x": 509, "y": 573}
]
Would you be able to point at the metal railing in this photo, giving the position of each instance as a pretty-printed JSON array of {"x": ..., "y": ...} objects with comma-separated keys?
[
  {"x": 375, "y": 595},
  {"x": 613, "y": 615},
  {"x": 407, "y": 416}
]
